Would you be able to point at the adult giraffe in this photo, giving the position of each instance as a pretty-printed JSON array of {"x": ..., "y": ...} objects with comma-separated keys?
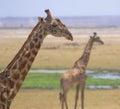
[
  {"x": 12, "y": 77},
  {"x": 77, "y": 75}
]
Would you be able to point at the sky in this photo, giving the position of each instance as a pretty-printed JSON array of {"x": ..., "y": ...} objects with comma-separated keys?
[{"x": 33, "y": 8}]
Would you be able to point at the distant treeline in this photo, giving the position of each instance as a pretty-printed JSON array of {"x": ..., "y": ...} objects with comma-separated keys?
[{"x": 83, "y": 21}]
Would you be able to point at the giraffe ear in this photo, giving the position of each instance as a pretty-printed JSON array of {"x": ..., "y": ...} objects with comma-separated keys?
[
  {"x": 40, "y": 19},
  {"x": 58, "y": 20}
]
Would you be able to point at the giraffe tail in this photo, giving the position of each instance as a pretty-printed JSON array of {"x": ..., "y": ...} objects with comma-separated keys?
[
  {"x": 61, "y": 93},
  {"x": 60, "y": 97}
]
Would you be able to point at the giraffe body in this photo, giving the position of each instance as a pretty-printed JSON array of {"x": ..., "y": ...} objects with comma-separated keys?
[
  {"x": 12, "y": 77},
  {"x": 77, "y": 76}
]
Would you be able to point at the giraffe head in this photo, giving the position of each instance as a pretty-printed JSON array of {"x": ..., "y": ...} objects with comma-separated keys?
[
  {"x": 96, "y": 38},
  {"x": 53, "y": 26}
]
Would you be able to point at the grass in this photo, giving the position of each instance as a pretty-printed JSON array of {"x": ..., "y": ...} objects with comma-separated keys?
[
  {"x": 41, "y": 80},
  {"x": 58, "y": 53},
  {"x": 52, "y": 81},
  {"x": 104, "y": 82},
  {"x": 49, "y": 99}
]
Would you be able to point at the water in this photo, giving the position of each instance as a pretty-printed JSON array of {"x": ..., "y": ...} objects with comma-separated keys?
[
  {"x": 107, "y": 76},
  {"x": 93, "y": 74},
  {"x": 53, "y": 71},
  {"x": 47, "y": 71},
  {"x": 100, "y": 87},
  {"x": 102, "y": 75}
]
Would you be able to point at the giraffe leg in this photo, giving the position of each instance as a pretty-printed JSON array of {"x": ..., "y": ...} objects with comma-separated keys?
[
  {"x": 65, "y": 101},
  {"x": 77, "y": 94},
  {"x": 1, "y": 106},
  {"x": 62, "y": 100},
  {"x": 82, "y": 96},
  {"x": 8, "y": 104},
  {"x": 63, "y": 104}
]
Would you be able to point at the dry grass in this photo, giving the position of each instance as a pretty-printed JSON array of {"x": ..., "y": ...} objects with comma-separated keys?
[
  {"x": 60, "y": 53},
  {"x": 48, "y": 99}
]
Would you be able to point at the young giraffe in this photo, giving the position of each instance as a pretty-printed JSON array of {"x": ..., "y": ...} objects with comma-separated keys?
[
  {"x": 77, "y": 75},
  {"x": 14, "y": 74}
]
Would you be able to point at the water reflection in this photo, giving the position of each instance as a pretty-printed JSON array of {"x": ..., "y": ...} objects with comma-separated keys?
[
  {"x": 106, "y": 76},
  {"x": 102, "y": 75},
  {"x": 100, "y": 87}
]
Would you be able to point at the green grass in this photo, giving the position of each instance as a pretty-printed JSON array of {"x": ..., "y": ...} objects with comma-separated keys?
[
  {"x": 42, "y": 80},
  {"x": 46, "y": 80},
  {"x": 105, "y": 82}
]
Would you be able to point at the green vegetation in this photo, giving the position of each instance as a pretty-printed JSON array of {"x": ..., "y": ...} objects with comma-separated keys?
[
  {"x": 105, "y": 82},
  {"x": 42, "y": 80},
  {"x": 46, "y": 80},
  {"x": 58, "y": 53}
]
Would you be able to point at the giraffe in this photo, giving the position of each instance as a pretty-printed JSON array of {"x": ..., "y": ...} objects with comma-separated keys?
[
  {"x": 76, "y": 76},
  {"x": 12, "y": 77}
]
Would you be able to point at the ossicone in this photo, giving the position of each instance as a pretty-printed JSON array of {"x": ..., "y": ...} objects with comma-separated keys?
[{"x": 49, "y": 16}]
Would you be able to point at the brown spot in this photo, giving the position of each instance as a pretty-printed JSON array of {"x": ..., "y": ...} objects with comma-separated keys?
[
  {"x": 38, "y": 45},
  {"x": 22, "y": 64},
  {"x": 35, "y": 40},
  {"x": 23, "y": 76},
  {"x": 18, "y": 85},
  {"x": 27, "y": 54},
  {"x": 21, "y": 59},
  {"x": 24, "y": 52},
  {"x": 3, "y": 96},
  {"x": 37, "y": 34},
  {"x": 28, "y": 66},
  {"x": 11, "y": 83},
  {"x": 34, "y": 52},
  {"x": 15, "y": 75},
  {"x": 40, "y": 36},
  {"x": 23, "y": 71},
  {"x": 31, "y": 45},
  {"x": 26, "y": 49},
  {"x": 31, "y": 59}
]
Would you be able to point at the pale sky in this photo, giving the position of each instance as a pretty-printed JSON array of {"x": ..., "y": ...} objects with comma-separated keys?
[{"x": 33, "y": 8}]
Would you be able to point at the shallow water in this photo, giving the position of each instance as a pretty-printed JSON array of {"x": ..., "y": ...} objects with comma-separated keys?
[
  {"x": 93, "y": 74},
  {"x": 101, "y": 87},
  {"x": 47, "y": 71},
  {"x": 106, "y": 76},
  {"x": 102, "y": 75}
]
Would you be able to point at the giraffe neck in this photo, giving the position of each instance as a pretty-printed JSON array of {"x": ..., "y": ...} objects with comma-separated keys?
[
  {"x": 18, "y": 68},
  {"x": 83, "y": 60}
]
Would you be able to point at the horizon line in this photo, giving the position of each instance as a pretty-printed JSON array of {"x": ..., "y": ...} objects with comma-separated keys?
[{"x": 62, "y": 16}]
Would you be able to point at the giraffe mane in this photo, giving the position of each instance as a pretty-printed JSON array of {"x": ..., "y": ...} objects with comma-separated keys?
[{"x": 16, "y": 56}]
